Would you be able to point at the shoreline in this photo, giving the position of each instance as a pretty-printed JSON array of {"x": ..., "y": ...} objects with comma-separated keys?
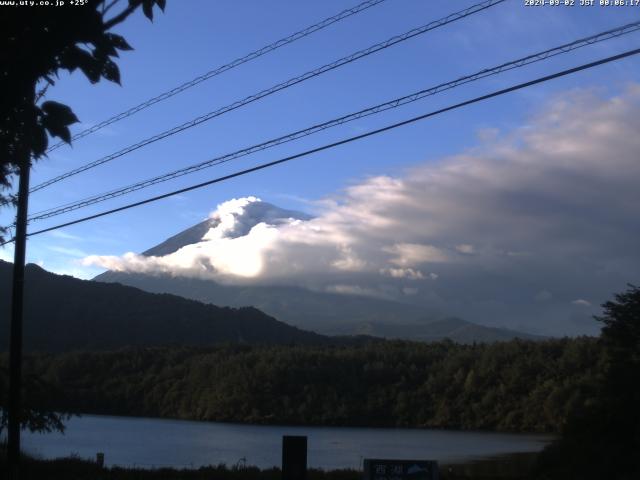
[
  {"x": 128, "y": 441},
  {"x": 551, "y": 435}
]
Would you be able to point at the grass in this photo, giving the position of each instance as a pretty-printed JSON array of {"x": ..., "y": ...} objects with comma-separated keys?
[
  {"x": 511, "y": 467},
  {"x": 80, "y": 469}
]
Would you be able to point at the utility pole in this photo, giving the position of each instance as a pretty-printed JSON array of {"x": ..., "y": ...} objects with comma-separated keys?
[{"x": 17, "y": 300}]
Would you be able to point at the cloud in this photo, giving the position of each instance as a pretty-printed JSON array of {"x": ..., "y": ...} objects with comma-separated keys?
[
  {"x": 581, "y": 303},
  {"x": 405, "y": 254},
  {"x": 547, "y": 208},
  {"x": 466, "y": 248},
  {"x": 69, "y": 252},
  {"x": 409, "y": 273},
  {"x": 61, "y": 234},
  {"x": 354, "y": 290}
]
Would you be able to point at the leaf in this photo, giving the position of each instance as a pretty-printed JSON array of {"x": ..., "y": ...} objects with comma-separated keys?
[
  {"x": 57, "y": 130},
  {"x": 104, "y": 48},
  {"x": 91, "y": 71},
  {"x": 76, "y": 57},
  {"x": 57, "y": 118},
  {"x": 118, "y": 41},
  {"x": 40, "y": 141},
  {"x": 111, "y": 72},
  {"x": 147, "y": 8},
  {"x": 162, "y": 4},
  {"x": 59, "y": 113}
]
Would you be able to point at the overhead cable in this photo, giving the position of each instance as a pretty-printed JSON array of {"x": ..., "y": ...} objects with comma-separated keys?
[
  {"x": 536, "y": 57},
  {"x": 263, "y": 166},
  {"x": 276, "y": 88},
  {"x": 223, "y": 68}
]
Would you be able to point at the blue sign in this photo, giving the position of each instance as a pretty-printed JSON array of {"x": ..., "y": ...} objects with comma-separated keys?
[{"x": 378, "y": 469}]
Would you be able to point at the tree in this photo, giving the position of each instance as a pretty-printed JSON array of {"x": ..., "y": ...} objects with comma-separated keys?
[
  {"x": 34, "y": 416},
  {"x": 602, "y": 437},
  {"x": 36, "y": 42}
]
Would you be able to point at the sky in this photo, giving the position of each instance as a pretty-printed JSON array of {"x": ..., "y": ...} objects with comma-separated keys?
[{"x": 518, "y": 211}]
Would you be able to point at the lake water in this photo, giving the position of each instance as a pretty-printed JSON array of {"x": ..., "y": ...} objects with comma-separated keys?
[{"x": 154, "y": 443}]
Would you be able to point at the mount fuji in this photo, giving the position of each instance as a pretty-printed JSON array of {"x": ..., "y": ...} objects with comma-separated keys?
[{"x": 325, "y": 312}]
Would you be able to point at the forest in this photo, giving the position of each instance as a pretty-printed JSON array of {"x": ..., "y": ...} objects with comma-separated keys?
[
  {"x": 63, "y": 313},
  {"x": 520, "y": 386},
  {"x": 584, "y": 389}
]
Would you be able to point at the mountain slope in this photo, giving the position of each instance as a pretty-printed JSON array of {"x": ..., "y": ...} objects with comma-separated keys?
[
  {"x": 456, "y": 329},
  {"x": 252, "y": 214},
  {"x": 324, "y": 312},
  {"x": 64, "y": 313}
]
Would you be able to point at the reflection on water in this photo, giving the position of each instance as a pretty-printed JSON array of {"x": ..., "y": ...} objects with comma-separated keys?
[{"x": 145, "y": 442}]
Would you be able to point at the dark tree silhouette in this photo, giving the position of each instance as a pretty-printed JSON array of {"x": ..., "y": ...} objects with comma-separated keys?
[
  {"x": 35, "y": 44},
  {"x": 602, "y": 439},
  {"x": 36, "y": 417}
]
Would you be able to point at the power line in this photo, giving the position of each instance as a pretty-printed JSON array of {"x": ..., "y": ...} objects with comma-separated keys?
[
  {"x": 276, "y": 88},
  {"x": 345, "y": 141},
  {"x": 602, "y": 36},
  {"x": 221, "y": 69}
]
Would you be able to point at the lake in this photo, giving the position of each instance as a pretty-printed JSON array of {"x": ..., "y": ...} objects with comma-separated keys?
[{"x": 154, "y": 443}]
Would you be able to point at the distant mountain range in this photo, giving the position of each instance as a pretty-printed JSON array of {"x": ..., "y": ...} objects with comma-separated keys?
[
  {"x": 323, "y": 312},
  {"x": 429, "y": 330},
  {"x": 64, "y": 313},
  {"x": 327, "y": 313}
]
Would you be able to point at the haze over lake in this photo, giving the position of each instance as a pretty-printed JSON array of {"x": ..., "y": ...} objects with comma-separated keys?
[{"x": 149, "y": 443}]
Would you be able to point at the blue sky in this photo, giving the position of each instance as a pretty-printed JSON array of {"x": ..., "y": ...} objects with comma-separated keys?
[{"x": 195, "y": 36}]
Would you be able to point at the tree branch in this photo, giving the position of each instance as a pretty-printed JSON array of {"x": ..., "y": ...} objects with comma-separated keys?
[
  {"x": 122, "y": 16},
  {"x": 41, "y": 93},
  {"x": 106, "y": 8}
]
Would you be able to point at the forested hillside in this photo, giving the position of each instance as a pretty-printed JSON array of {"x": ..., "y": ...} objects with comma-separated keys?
[
  {"x": 63, "y": 313},
  {"x": 515, "y": 386}
]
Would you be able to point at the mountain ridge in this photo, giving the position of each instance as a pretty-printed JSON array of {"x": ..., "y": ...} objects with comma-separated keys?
[
  {"x": 64, "y": 313},
  {"x": 322, "y": 312}
]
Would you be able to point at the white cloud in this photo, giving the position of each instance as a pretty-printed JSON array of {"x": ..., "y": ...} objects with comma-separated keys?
[
  {"x": 69, "y": 252},
  {"x": 349, "y": 262},
  {"x": 354, "y": 290},
  {"x": 405, "y": 254},
  {"x": 61, "y": 234},
  {"x": 409, "y": 273},
  {"x": 580, "y": 302},
  {"x": 466, "y": 248},
  {"x": 216, "y": 255},
  {"x": 549, "y": 207}
]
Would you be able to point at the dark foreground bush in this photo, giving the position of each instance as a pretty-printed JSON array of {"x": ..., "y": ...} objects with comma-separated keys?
[
  {"x": 511, "y": 467},
  {"x": 79, "y": 469}
]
